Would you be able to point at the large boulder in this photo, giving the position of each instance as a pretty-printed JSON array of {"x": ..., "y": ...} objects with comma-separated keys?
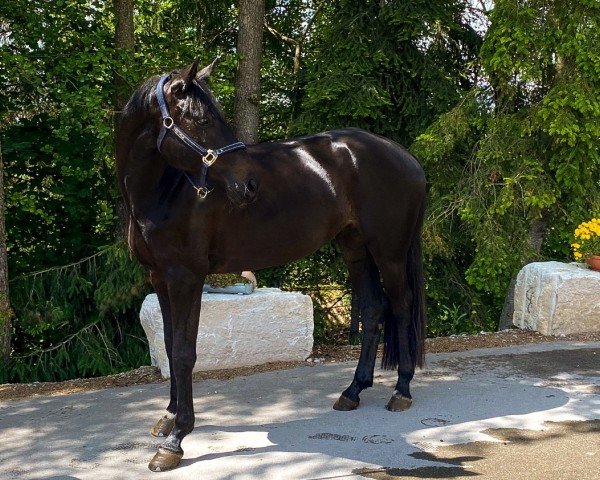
[
  {"x": 557, "y": 298},
  {"x": 240, "y": 330}
]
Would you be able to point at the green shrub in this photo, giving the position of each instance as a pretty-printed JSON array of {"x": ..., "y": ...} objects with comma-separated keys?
[{"x": 80, "y": 320}]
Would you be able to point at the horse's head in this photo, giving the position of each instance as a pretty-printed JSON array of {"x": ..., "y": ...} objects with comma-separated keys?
[{"x": 190, "y": 112}]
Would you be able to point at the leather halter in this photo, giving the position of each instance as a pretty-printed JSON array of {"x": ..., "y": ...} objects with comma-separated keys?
[{"x": 209, "y": 156}]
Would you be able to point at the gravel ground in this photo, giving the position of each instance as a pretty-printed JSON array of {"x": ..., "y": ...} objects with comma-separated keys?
[{"x": 321, "y": 354}]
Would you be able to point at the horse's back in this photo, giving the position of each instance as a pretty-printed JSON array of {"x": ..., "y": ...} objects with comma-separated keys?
[
  {"x": 375, "y": 167},
  {"x": 357, "y": 151},
  {"x": 374, "y": 152}
]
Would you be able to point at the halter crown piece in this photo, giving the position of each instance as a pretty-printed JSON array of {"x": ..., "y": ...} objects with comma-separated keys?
[{"x": 208, "y": 156}]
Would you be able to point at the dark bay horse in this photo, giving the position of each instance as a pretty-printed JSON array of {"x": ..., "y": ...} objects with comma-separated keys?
[{"x": 263, "y": 205}]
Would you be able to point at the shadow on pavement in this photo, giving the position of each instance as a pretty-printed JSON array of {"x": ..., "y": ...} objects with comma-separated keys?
[{"x": 279, "y": 425}]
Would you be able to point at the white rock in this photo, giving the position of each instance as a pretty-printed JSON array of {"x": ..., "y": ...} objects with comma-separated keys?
[
  {"x": 240, "y": 330},
  {"x": 557, "y": 298}
]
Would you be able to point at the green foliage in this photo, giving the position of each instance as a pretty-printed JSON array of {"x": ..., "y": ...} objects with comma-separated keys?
[
  {"x": 508, "y": 137},
  {"x": 55, "y": 66},
  {"x": 78, "y": 320},
  {"x": 388, "y": 67},
  {"x": 324, "y": 267},
  {"x": 514, "y": 166}
]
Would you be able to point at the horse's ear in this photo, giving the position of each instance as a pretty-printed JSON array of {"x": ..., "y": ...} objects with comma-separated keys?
[
  {"x": 189, "y": 74},
  {"x": 207, "y": 71},
  {"x": 184, "y": 80}
]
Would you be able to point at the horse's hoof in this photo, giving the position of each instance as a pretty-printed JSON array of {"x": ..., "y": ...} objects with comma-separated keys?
[
  {"x": 398, "y": 403},
  {"x": 164, "y": 460},
  {"x": 344, "y": 404},
  {"x": 163, "y": 427}
]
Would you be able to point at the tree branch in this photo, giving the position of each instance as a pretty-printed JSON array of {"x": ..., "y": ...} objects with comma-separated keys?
[
  {"x": 311, "y": 21},
  {"x": 280, "y": 35}
]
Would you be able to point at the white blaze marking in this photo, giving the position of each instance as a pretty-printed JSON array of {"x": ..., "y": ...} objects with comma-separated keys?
[{"x": 312, "y": 164}]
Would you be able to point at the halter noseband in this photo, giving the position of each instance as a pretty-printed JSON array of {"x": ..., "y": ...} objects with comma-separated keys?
[{"x": 208, "y": 156}]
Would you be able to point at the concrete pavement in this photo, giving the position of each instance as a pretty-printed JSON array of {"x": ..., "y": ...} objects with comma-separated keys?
[{"x": 280, "y": 425}]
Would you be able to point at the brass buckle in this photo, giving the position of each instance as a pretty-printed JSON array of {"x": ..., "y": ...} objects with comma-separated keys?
[
  {"x": 209, "y": 158},
  {"x": 168, "y": 123},
  {"x": 202, "y": 192}
]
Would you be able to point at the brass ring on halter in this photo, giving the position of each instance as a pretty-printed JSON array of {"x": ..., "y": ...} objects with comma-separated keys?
[{"x": 209, "y": 158}]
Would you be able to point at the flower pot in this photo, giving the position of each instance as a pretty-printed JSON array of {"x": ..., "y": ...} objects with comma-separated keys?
[{"x": 593, "y": 262}]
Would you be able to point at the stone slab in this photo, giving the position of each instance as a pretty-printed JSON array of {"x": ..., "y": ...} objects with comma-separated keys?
[
  {"x": 240, "y": 330},
  {"x": 556, "y": 298}
]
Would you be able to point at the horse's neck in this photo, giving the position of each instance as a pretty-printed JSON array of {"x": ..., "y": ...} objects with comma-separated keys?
[{"x": 142, "y": 178}]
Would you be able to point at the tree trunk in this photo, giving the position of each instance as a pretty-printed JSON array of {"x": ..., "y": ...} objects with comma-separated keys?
[
  {"x": 537, "y": 234},
  {"x": 508, "y": 309},
  {"x": 124, "y": 46},
  {"x": 247, "y": 81},
  {"x": 5, "y": 311}
]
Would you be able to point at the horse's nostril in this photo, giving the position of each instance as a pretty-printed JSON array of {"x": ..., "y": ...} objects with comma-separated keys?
[{"x": 251, "y": 186}]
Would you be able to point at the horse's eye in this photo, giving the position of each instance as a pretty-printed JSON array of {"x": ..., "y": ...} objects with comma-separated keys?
[
  {"x": 204, "y": 121},
  {"x": 178, "y": 87}
]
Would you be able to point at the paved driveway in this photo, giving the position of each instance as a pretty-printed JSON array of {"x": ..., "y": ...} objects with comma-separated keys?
[{"x": 280, "y": 425}]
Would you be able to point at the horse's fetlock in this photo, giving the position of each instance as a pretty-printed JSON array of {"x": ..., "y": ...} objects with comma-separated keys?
[
  {"x": 352, "y": 393},
  {"x": 172, "y": 444},
  {"x": 364, "y": 383}
]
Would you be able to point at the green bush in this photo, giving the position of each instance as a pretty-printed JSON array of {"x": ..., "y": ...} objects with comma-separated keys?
[{"x": 79, "y": 320}]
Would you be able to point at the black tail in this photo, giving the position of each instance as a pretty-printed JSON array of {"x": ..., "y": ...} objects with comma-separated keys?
[{"x": 418, "y": 314}]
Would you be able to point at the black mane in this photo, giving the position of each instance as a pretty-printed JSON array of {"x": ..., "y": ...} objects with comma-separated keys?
[
  {"x": 143, "y": 99},
  {"x": 139, "y": 104}
]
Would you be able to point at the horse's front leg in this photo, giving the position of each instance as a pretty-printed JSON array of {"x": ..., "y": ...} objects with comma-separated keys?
[
  {"x": 164, "y": 425},
  {"x": 185, "y": 294}
]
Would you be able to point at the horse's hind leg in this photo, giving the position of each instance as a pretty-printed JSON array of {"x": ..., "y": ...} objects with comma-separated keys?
[
  {"x": 398, "y": 348},
  {"x": 369, "y": 302},
  {"x": 165, "y": 424},
  {"x": 404, "y": 333}
]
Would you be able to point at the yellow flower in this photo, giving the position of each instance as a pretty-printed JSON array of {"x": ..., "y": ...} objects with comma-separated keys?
[{"x": 586, "y": 239}]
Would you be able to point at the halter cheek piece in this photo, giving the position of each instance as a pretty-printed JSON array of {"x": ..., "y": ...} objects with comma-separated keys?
[{"x": 208, "y": 156}]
